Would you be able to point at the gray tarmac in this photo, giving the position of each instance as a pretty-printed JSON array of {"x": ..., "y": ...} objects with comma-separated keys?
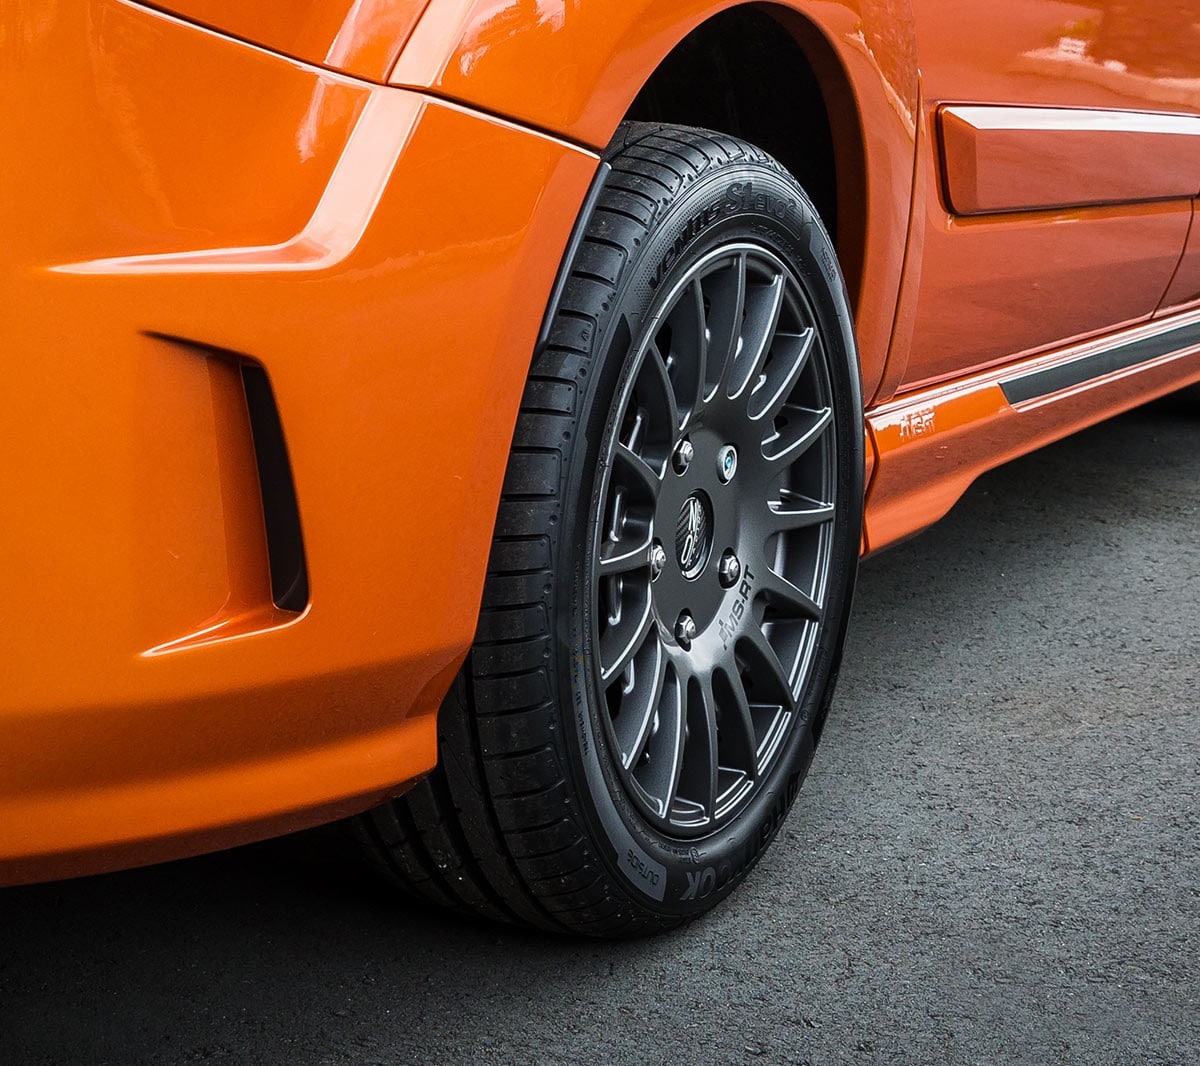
[{"x": 995, "y": 859}]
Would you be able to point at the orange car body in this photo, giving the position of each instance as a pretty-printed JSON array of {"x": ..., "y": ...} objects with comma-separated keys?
[{"x": 366, "y": 203}]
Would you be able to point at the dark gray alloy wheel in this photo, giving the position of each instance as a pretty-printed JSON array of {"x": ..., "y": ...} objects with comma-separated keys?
[
  {"x": 713, "y": 538},
  {"x": 671, "y": 574}
]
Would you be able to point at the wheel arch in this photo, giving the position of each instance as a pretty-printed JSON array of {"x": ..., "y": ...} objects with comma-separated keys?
[
  {"x": 752, "y": 71},
  {"x": 851, "y": 64}
]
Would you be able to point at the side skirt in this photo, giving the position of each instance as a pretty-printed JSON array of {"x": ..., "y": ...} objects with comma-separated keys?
[{"x": 930, "y": 445}]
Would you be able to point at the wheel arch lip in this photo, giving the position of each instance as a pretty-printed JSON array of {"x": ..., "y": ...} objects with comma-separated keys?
[{"x": 598, "y": 55}]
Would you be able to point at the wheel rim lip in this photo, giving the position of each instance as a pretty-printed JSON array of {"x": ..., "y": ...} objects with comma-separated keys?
[{"x": 737, "y": 794}]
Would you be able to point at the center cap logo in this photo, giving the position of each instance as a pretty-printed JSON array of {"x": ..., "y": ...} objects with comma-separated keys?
[{"x": 693, "y": 535}]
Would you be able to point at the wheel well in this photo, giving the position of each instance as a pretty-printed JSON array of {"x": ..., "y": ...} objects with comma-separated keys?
[{"x": 775, "y": 82}]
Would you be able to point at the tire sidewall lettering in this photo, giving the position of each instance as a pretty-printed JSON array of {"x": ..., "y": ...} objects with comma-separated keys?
[{"x": 737, "y": 198}]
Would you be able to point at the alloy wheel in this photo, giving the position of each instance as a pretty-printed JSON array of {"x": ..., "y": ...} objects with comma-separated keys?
[{"x": 713, "y": 539}]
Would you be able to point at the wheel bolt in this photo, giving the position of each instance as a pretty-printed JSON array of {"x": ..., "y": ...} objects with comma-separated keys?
[
  {"x": 729, "y": 570},
  {"x": 658, "y": 560},
  {"x": 727, "y": 463},
  {"x": 684, "y": 454},
  {"x": 685, "y": 630}
]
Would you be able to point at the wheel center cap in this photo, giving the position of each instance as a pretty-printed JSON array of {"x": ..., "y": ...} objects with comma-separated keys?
[{"x": 693, "y": 534}]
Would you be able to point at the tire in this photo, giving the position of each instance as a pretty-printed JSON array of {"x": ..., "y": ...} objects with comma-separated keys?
[{"x": 577, "y": 787}]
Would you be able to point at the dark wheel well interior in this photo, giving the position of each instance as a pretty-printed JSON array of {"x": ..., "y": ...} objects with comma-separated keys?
[{"x": 742, "y": 72}]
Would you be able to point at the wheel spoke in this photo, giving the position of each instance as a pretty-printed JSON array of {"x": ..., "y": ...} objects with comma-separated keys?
[
  {"x": 676, "y": 737},
  {"x": 620, "y": 558},
  {"x": 642, "y": 713},
  {"x": 803, "y": 429},
  {"x": 790, "y": 353},
  {"x": 662, "y": 753},
  {"x": 787, "y": 597},
  {"x": 726, "y": 289},
  {"x": 633, "y": 470},
  {"x": 763, "y": 304},
  {"x": 654, "y": 371},
  {"x": 622, "y": 642},
  {"x": 702, "y": 350},
  {"x": 766, "y": 667},
  {"x": 687, "y": 361},
  {"x": 738, "y": 723},
  {"x": 793, "y": 511},
  {"x": 698, "y": 780}
]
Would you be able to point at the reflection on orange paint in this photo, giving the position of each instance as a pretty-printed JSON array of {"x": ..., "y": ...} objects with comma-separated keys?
[
  {"x": 1158, "y": 40},
  {"x": 360, "y": 37}
]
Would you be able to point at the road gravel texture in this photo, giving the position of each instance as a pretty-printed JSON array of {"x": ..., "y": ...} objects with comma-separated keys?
[{"x": 996, "y": 857}]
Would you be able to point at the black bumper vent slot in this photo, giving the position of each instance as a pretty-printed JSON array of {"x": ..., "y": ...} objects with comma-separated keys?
[{"x": 281, "y": 514}]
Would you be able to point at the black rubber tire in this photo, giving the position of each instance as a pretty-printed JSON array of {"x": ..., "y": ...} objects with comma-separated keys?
[{"x": 521, "y": 821}]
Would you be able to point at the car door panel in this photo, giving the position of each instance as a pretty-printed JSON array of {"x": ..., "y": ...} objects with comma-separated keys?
[
  {"x": 1065, "y": 161},
  {"x": 994, "y": 290}
]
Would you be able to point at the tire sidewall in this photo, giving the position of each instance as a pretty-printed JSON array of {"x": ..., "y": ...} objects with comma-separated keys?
[{"x": 752, "y": 202}]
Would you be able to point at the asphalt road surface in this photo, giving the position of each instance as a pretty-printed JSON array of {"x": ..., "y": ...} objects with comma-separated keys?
[{"x": 996, "y": 858}]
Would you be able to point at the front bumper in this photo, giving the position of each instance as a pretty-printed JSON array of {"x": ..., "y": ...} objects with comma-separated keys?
[{"x": 172, "y": 203}]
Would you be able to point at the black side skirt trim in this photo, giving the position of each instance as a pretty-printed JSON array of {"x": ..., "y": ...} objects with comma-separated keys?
[{"x": 1040, "y": 383}]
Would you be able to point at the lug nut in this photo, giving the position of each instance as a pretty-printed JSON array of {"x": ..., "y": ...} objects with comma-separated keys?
[
  {"x": 684, "y": 454},
  {"x": 685, "y": 630},
  {"x": 729, "y": 570},
  {"x": 727, "y": 463},
  {"x": 658, "y": 560}
]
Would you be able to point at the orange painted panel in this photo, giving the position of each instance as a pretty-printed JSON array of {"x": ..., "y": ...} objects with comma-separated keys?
[
  {"x": 1029, "y": 158},
  {"x": 1184, "y": 289},
  {"x": 329, "y": 233},
  {"x": 995, "y": 287}
]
